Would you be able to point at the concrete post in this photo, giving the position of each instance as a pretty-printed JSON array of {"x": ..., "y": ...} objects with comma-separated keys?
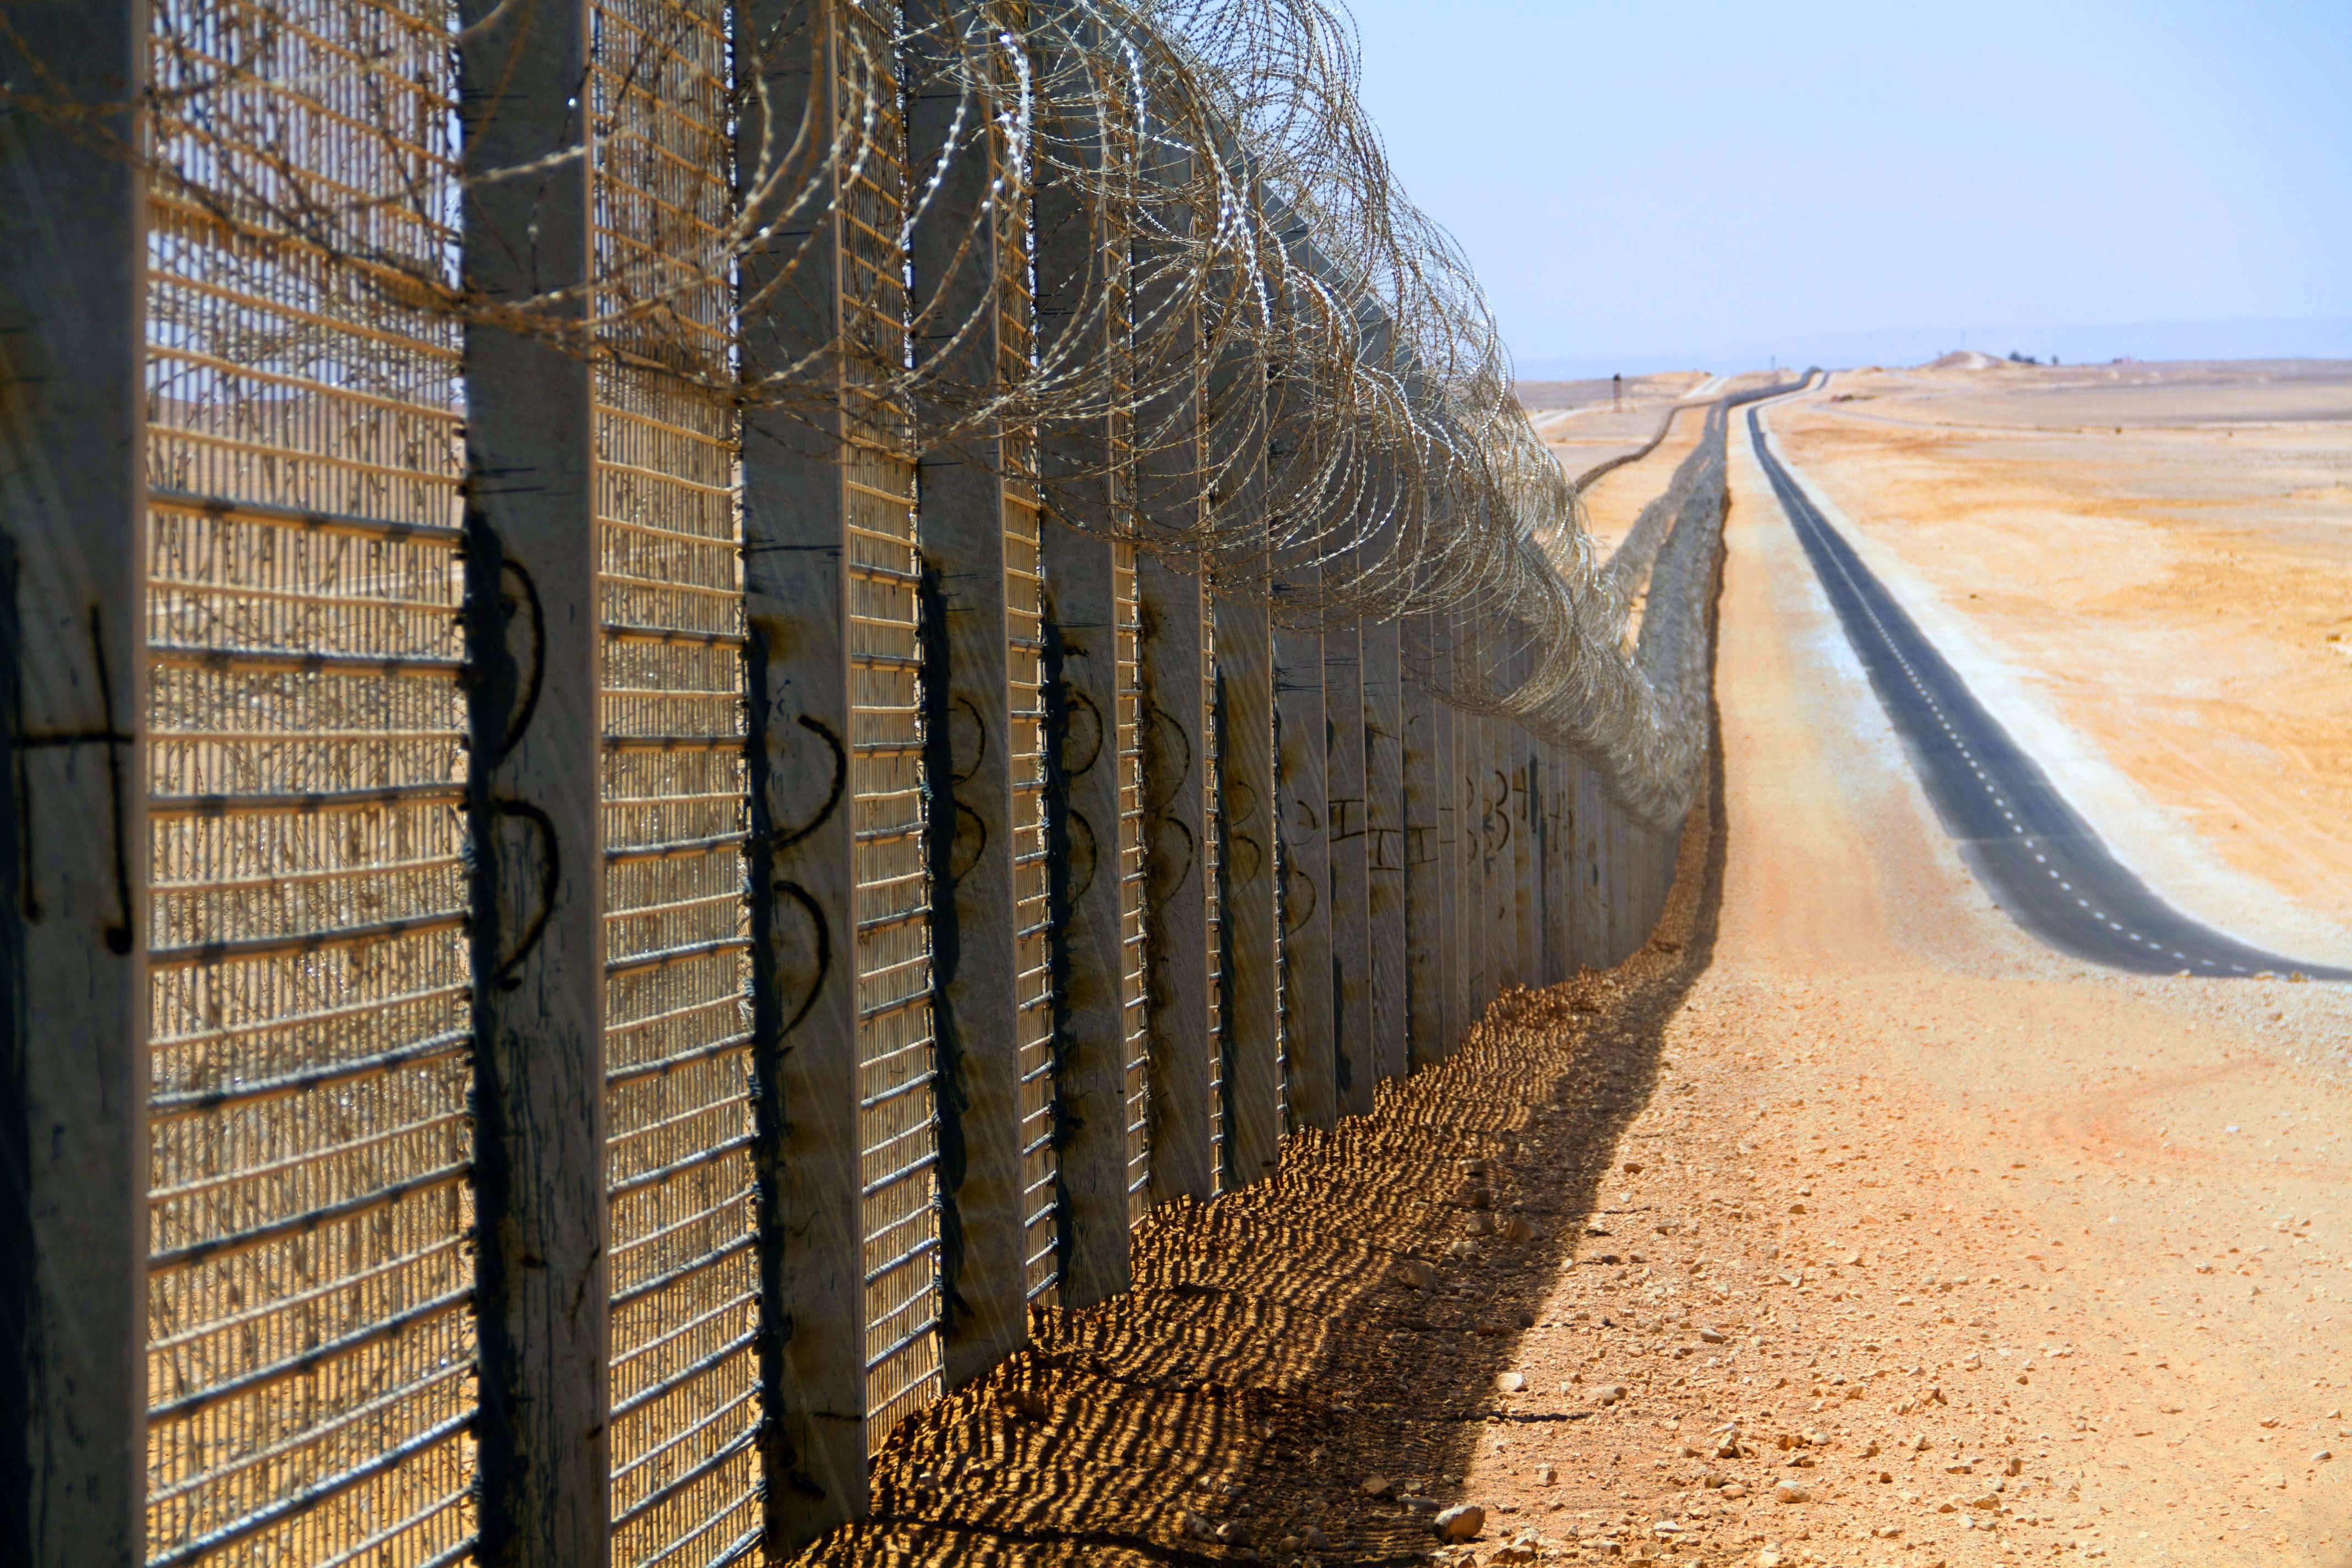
[
  {"x": 1426, "y": 865},
  {"x": 532, "y": 610},
  {"x": 968, "y": 268},
  {"x": 73, "y": 796},
  {"x": 1386, "y": 848},
  {"x": 1302, "y": 785}
]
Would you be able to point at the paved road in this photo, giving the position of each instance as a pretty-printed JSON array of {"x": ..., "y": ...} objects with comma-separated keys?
[{"x": 2043, "y": 863}]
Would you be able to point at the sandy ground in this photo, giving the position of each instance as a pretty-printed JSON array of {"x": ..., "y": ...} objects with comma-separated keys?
[
  {"x": 2024, "y": 1258},
  {"x": 2149, "y": 570},
  {"x": 1844, "y": 1192}
]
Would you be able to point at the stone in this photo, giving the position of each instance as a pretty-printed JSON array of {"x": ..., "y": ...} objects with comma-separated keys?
[
  {"x": 1197, "y": 1527},
  {"x": 1633, "y": 1169},
  {"x": 1379, "y": 1486},
  {"x": 2322, "y": 1456},
  {"x": 1712, "y": 1336},
  {"x": 1509, "y": 1383},
  {"x": 1611, "y": 1394},
  {"x": 1316, "y": 1540},
  {"x": 1420, "y": 1276},
  {"x": 1515, "y": 1552},
  {"x": 2016, "y": 1467},
  {"x": 1481, "y": 1224},
  {"x": 1734, "y": 1489},
  {"x": 1548, "y": 1474},
  {"x": 1988, "y": 1500},
  {"x": 1461, "y": 1247},
  {"x": 1517, "y": 1229},
  {"x": 1790, "y": 1491},
  {"x": 1463, "y": 1522},
  {"x": 1768, "y": 1558}
]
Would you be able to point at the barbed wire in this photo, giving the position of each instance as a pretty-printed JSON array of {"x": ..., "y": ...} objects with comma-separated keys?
[{"x": 1359, "y": 452}]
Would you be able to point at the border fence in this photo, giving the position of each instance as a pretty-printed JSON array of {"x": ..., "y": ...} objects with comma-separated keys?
[{"x": 694, "y": 692}]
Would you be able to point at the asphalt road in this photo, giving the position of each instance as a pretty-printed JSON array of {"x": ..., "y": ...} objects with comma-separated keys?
[{"x": 2042, "y": 862}]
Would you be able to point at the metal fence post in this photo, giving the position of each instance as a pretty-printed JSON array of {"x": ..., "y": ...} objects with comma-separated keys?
[
  {"x": 73, "y": 794},
  {"x": 1385, "y": 847},
  {"x": 538, "y": 933},
  {"x": 968, "y": 268}
]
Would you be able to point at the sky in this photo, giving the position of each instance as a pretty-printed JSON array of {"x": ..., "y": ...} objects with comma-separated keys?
[{"x": 1650, "y": 185}]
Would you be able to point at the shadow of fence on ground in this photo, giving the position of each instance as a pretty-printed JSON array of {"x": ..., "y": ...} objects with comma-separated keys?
[{"x": 1275, "y": 1349}]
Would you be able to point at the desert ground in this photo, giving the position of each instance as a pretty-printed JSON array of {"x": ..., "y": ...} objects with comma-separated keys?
[
  {"x": 1844, "y": 1224},
  {"x": 2147, "y": 570}
]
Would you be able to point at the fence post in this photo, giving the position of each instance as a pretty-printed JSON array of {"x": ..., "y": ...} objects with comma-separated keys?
[
  {"x": 849, "y": 1146},
  {"x": 533, "y": 618},
  {"x": 1425, "y": 851},
  {"x": 1385, "y": 849},
  {"x": 1475, "y": 920},
  {"x": 1302, "y": 784},
  {"x": 1088, "y": 485},
  {"x": 1176, "y": 845},
  {"x": 1174, "y": 611},
  {"x": 73, "y": 797},
  {"x": 1246, "y": 771},
  {"x": 1354, "y": 1022},
  {"x": 967, "y": 298},
  {"x": 1451, "y": 874}
]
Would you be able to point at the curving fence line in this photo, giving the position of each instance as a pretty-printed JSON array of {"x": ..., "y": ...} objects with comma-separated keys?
[{"x": 695, "y": 691}]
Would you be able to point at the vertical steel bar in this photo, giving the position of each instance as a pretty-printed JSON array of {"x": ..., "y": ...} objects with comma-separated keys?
[
  {"x": 1302, "y": 784},
  {"x": 73, "y": 820},
  {"x": 1426, "y": 867},
  {"x": 537, "y": 932},
  {"x": 1386, "y": 846},
  {"x": 1352, "y": 1021},
  {"x": 968, "y": 317}
]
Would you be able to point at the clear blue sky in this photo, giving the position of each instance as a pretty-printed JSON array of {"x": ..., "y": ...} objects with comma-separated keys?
[{"x": 1673, "y": 182}]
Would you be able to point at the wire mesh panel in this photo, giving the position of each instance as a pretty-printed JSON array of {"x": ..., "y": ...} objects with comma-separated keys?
[
  {"x": 896, "y": 1050},
  {"x": 309, "y": 1345},
  {"x": 685, "y": 1314},
  {"x": 1212, "y": 881},
  {"x": 1134, "y": 998}
]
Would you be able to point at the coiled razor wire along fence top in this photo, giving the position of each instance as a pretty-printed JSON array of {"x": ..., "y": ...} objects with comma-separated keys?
[{"x": 696, "y": 692}]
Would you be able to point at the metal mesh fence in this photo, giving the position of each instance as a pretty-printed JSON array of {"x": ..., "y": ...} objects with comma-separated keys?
[
  {"x": 1125, "y": 745},
  {"x": 683, "y": 1368},
  {"x": 312, "y": 814},
  {"x": 310, "y": 1352}
]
